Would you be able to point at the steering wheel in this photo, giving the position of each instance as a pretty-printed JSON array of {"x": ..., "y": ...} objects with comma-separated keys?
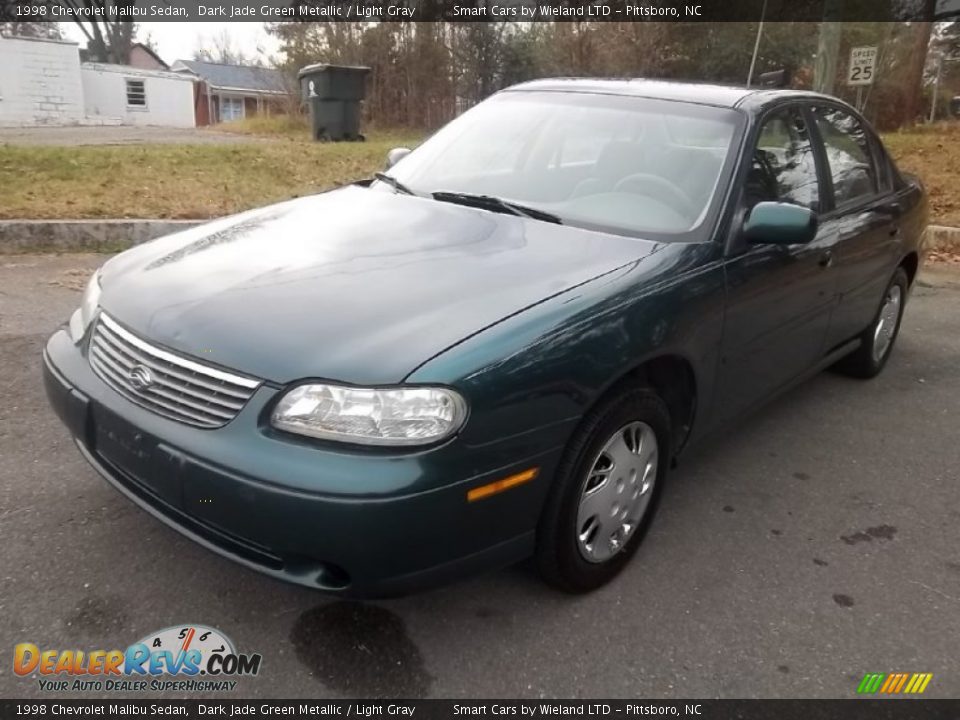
[{"x": 659, "y": 188}]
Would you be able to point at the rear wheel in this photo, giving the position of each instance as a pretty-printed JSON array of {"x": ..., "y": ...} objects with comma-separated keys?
[
  {"x": 606, "y": 492},
  {"x": 877, "y": 341}
]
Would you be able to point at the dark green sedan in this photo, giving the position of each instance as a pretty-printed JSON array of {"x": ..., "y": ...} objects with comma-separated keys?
[{"x": 499, "y": 346}]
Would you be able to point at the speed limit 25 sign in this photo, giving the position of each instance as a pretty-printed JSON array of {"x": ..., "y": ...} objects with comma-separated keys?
[{"x": 863, "y": 64}]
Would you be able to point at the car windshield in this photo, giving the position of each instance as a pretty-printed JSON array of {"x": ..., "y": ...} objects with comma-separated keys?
[{"x": 627, "y": 165}]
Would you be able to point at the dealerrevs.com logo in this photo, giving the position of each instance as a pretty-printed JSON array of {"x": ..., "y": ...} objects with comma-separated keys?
[{"x": 178, "y": 658}]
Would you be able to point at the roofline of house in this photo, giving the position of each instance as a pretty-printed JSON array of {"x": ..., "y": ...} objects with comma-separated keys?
[
  {"x": 136, "y": 71},
  {"x": 153, "y": 54},
  {"x": 57, "y": 41},
  {"x": 240, "y": 90},
  {"x": 185, "y": 69}
]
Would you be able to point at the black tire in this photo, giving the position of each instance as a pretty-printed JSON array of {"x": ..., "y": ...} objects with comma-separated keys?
[
  {"x": 558, "y": 555},
  {"x": 864, "y": 362}
]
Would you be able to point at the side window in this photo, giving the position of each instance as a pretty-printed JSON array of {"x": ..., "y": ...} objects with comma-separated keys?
[
  {"x": 884, "y": 165},
  {"x": 783, "y": 168},
  {"x": 848, "y": 153}
]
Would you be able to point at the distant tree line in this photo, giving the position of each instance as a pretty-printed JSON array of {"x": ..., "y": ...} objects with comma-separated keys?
[{"x": 425, "y": 73}]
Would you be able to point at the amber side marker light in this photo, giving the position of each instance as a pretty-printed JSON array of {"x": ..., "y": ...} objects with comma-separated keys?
[{"x": 498, "y": 486}]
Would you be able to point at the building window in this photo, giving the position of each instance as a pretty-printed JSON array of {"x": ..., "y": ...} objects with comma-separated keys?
[
  {"x": 231, "y": 108},
  {"x": 136, "y": 93}
]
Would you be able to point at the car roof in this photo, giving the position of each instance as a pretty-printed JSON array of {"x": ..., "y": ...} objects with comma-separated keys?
[{"x": 730, "y": 96}]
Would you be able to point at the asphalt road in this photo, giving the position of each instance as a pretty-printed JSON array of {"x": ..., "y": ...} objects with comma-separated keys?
[{"x": 818, "y": 541}]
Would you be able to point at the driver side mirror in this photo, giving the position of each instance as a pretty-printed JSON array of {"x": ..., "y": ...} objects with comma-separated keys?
[
  {"x": 395, "y": 156},
  {"x": 777, "y": 223}
]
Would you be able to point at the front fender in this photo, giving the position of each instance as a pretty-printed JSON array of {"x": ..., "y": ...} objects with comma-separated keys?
[{"x": 539, "y": 372}]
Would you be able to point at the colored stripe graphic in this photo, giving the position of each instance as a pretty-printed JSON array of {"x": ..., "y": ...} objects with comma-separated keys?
[
  {"x": 866, "y": 683},
  {"x": 894, "y": 683},
  {"x": 898, "y": 685}
]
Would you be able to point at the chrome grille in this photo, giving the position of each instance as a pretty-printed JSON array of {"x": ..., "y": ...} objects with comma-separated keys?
[{"x": 167, "y": 384}]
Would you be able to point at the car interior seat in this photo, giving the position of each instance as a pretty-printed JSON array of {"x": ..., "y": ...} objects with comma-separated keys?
[{"x": 617, "y": 160}]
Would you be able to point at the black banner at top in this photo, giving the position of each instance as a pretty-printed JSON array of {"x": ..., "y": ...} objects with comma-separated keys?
[{"x": 478, "y": 10}]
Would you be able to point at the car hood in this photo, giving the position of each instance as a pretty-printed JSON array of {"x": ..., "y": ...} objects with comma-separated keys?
[{"x": 355, "y": 285}]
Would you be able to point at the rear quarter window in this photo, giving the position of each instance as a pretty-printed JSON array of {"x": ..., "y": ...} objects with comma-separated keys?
[{"x": 850, "y": 155}]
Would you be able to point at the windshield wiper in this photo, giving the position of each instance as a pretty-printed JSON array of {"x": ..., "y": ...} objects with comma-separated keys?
[
  {"x": 394, "y": 183},
  {"x": 489, "y": 202}
]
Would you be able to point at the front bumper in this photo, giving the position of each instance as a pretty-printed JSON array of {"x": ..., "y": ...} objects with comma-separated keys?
[{"x": 360, "y": 524}]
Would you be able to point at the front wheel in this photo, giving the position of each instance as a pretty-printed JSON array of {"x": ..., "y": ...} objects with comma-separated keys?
[
  {"x": 606, "y": 492},
  {"x": 877, "y": 341}
]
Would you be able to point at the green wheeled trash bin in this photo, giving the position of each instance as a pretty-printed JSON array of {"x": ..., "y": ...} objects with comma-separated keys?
[{"x": 334, "y": 93}]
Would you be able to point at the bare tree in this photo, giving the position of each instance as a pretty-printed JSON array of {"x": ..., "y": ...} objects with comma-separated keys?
[
  {"x": 922, "y": 32},
  {"x": 221, "y": 48},
  {"x": 108, "y": 41},
  {"x": 31, "y": 29}
]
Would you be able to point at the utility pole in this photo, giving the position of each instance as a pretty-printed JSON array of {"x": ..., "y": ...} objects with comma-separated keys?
[
  {"x": 828, "y": 48},
  {"x": 756, "y": 44}
]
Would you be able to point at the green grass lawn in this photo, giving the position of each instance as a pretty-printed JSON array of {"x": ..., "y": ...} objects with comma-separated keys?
[{"x": 203, "y": 180}]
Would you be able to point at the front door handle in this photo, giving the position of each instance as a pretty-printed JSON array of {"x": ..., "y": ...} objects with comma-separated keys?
[{"x": 826, "y": 260}]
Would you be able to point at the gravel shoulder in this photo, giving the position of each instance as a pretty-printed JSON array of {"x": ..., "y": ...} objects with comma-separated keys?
[{"x": 118, "y": 135}]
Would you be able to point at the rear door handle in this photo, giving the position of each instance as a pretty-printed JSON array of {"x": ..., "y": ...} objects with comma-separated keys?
[{"x": 826, "y": 260}]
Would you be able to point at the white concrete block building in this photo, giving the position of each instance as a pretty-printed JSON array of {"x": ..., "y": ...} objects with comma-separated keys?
[
  {"x": 137, "y": 96},
  {"x": 43, "y": 82},
  {"x": 40, "y": 82}
]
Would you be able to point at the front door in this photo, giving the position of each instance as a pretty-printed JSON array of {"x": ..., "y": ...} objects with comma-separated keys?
[{"x": 779, "y": 297}]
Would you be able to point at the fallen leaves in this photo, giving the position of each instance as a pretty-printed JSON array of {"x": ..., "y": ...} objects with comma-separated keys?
[{"x": 951, "y": 257}]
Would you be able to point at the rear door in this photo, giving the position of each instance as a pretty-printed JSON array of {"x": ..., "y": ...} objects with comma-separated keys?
[
  {"x": 862, "y": 211},
  {"x": 779, "y": 297}
]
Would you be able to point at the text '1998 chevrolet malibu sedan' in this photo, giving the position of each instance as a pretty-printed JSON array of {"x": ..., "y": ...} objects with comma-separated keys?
[{"x": 497, "y": 348}]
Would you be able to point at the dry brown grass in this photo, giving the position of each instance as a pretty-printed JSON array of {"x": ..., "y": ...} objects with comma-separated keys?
[
  {"x": 178, "y": 181},
  {"x": 202, "y": 181},
  {"x": 933, "y": 153},
  {"x": 293, "y": 127}
]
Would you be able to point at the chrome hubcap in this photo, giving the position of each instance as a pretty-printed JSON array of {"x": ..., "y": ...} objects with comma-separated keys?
[
  {"x": 887, "y": 322},
  {"x": 616, "y": 492}
]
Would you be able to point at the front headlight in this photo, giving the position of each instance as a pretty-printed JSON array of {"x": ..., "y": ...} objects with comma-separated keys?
[
  {"x": 83, "y": 316},
  {"x": 371, "y": 416}
]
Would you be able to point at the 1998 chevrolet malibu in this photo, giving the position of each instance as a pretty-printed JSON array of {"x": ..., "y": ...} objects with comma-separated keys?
[{"x": 497, "y": 348}]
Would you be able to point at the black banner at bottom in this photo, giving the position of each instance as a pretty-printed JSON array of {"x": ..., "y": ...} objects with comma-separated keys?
[{"x": 894, "y": 709}]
